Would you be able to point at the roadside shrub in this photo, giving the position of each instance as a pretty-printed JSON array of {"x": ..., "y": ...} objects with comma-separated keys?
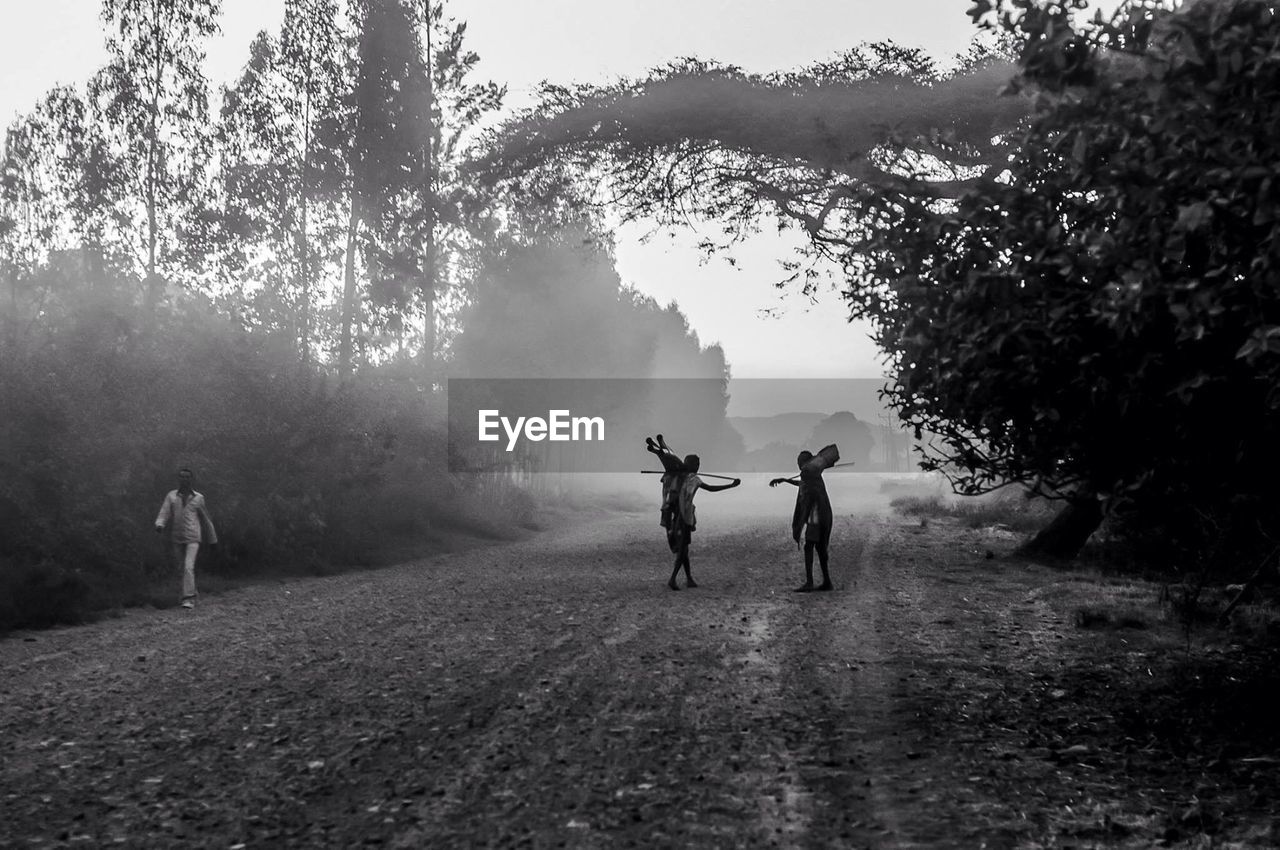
[
  {"x": 39, "y": 595},
  {"x": 1013, "y": 510},
  {"x": 1194, "y": 541},
  {"x": 497, "y": 499},
  {"x": 1090, "y": 617},
  {"x": 1103, "y": 319},
  {"x": 302, "y": 472},
  {"x": 927, "y": 506}
]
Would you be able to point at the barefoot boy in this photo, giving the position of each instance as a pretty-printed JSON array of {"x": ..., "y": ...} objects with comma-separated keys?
[
  {"x": 673, "y": 473},
  {"x": 684, "y": 520},
  {"x": 812, "y": 512}
]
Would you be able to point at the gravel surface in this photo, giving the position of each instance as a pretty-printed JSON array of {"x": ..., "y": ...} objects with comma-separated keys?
[{"x": 553, "y": 692}]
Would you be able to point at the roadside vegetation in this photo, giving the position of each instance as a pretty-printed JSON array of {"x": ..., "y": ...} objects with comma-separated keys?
[
  {"x": 1074, "y": 284},
  {"x": 1008, "y": 509},
  {"x": 304, "y": 473},
  {"x": 1114, "y": 584},
  {"x": 270, "y": 283}
]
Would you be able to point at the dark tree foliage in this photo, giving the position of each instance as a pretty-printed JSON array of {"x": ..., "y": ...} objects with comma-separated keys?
[
  {"x": 1103, "y": 320},
  {"x": 154, "y": 98},
  {"x": 281, "y": 217},
  {"x": 414, "y": 104},
  {"x": 699, "y": 139},
  {"x": 1082, "y": 301}
]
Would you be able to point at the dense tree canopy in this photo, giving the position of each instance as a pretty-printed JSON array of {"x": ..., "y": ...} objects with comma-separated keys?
[
  {"x": 698, "y": 139},
  {"x": 153, "y": 96},
  {"x": 1105, "y": 318},
  {"x": 1074, "y": 282}
]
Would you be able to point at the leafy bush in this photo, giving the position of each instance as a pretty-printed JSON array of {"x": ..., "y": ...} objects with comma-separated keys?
[
  {"x": 301, "y": 472},
  {"x": 1016, "y": 511},
  {"x": 1103, "y": 319},
  {"x": 33, "y": 595}
]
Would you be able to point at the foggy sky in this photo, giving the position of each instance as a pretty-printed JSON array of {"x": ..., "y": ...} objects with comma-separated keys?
[{"x": 522, "y": 43}]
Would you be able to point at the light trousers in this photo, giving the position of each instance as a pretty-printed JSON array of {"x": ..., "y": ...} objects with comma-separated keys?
[{"x": 184, "y": 557}]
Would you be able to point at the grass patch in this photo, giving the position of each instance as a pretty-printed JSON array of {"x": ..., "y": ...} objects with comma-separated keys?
[
  {"x": 1256, "y": 623},
  {"x": 1008, "y": 509},
  {"x": 1094, "y": 617},
  {"x": 1098, "y": 601},
  {"x": 919, "y": 485},
  {"x": 1090, "y": 600}
]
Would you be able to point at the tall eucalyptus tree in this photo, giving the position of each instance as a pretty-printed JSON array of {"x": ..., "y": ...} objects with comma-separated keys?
[{"x": 156, "y": 106}]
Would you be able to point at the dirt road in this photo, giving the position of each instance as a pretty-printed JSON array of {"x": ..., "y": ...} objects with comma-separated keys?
[{"x": 553, "y": 692}]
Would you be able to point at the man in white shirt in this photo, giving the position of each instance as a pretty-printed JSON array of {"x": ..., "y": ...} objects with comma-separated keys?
[{"x": 184, "y": 514}]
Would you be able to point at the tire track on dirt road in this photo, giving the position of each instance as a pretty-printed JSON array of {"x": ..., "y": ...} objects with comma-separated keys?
[{"x": 834, "y": 698}]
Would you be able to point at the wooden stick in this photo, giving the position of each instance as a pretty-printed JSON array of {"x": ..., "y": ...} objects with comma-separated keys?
[
  {"x": 837, "y": 466},
  {"x": 702, "y": 474}
]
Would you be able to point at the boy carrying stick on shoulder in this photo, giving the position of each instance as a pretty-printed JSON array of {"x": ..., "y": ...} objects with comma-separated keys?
[
  {"x": 812, "y": 513},
  {"x": 685, "y": 518},
  {"x": 680, "y": 483}
]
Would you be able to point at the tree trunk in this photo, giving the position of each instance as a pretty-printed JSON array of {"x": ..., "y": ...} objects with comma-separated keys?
[
  {"x": 1064, "y": 537},
  {"x": 304, "y": 238},
  {"x": 304, "y": 287},
  {"x": 153, "y": 168},
  {"x": 349, "y": 292},
  {"x": 429, "y": 302},
  {"x": 431, "y": 272},
  {"x": 153, "y": 279},
  {"x": 11, "y": 321}
]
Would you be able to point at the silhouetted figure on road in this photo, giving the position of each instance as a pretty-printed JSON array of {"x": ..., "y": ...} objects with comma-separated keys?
[
  {"x": 673, "y": 472},
  {"x": 684, "y": 519},
  {"x": 812, "y": 514}
]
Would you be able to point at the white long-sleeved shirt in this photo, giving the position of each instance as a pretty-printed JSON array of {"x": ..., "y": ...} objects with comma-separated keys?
[{"x": 186, "y": 520}]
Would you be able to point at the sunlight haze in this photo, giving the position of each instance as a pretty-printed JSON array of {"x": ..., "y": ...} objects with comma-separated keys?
[{"x": 522, "y": 44}]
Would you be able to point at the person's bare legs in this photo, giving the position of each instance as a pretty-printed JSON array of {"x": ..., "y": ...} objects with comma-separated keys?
[
  {"x": 822, "y": 561},
  {"x": 808, "y": 568},
  {"x": 682, "y": 560}
]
